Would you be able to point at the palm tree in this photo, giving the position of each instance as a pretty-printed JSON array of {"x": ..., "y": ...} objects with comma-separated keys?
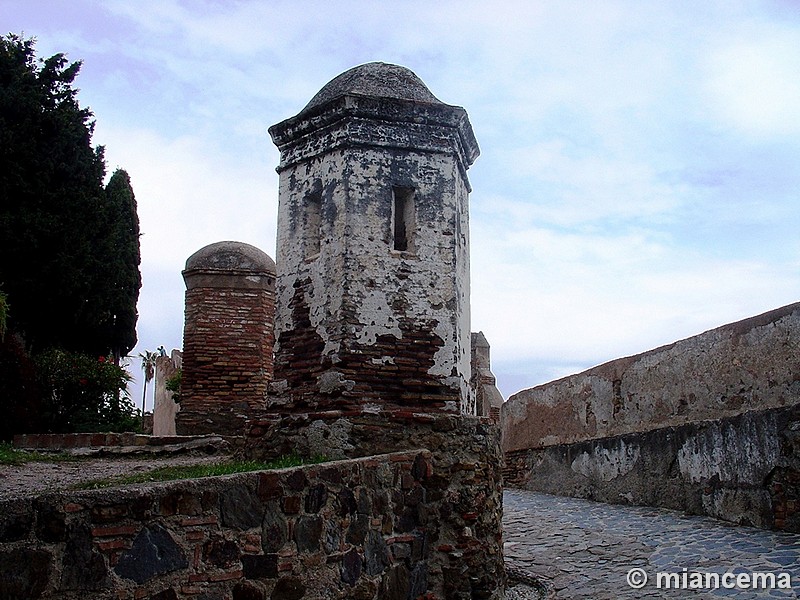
[{"x": 149, "y": 368}]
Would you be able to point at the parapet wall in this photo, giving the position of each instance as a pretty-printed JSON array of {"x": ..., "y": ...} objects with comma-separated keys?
[
  {"x": 376, "y": 527},
  {"x": 746, "y": 366},
  {"x": 708, "y": 425},
  {"x": 743, "y": 469}
]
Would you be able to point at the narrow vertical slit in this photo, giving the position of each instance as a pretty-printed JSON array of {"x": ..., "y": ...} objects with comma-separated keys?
[
  {"x": 403, "y": 214},
  {"x": 313, "y": 222}
]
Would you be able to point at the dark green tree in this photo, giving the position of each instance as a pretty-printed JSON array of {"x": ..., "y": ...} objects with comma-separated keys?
[
  {"x": 122, "y": 279},
  {"x": 69, "y": 254},
  {"x": 61, "y": 232}
]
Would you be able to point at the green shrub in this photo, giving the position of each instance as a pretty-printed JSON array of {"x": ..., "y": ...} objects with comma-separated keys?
[
  {"x": 173, "y": 384},
  {"x": 84, "y": 394},
  {"x": 3, "y": 315},
  {"x": 20, "y": 397}
]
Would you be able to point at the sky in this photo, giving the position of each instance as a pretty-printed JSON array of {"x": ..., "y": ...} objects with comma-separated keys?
[{"x": 639, "y": 175}]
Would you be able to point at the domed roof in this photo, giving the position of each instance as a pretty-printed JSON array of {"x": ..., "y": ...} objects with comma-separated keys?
[
  {"x": 231, "y": 256},
  {"x": 376, "y": 79}
]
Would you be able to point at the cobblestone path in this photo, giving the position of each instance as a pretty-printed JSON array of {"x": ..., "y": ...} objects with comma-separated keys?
[{"x": 585, "y": 549}]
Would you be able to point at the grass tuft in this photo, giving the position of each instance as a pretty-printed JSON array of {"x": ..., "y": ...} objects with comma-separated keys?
[
  {"x": 198, "y": 471},
  {"x": 11, "y": 456}
]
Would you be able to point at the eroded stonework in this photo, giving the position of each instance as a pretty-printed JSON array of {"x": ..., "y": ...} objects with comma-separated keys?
[{"x": 373, "y": 249}]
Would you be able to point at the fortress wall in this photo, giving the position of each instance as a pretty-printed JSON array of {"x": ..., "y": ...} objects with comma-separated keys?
[
  {"x": 708, "y": 425},
  {"x": 746, "y": 366},
  {"x": 464, "y": 501},
  {"x": 390, "y": 527},
  {"x": 743, "y": 469}
]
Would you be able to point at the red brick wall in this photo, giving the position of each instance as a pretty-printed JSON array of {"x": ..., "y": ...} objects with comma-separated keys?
[
  {"x": 227, "y": 356},
  {"x": 401, "y": 381}
]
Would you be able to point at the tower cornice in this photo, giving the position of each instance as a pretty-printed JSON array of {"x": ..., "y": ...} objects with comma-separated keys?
[{"x": 355, "y": 120}]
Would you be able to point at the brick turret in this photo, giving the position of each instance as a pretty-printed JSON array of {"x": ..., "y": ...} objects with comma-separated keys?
[{"x": 228, "y": 337}]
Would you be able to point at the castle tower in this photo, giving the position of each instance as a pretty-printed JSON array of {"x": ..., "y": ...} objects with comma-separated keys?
[
  {"x": 228, "y": 337},
  {"x": 373, "y": 249}
]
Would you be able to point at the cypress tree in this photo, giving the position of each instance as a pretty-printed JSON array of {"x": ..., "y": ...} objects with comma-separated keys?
[
  {"x": 67, "y": 255},
  {"x": 123, "y": 279}
]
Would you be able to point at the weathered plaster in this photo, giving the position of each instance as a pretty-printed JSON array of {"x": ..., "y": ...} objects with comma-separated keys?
[
  {"x": 753, "y": 364},
  {"x": 740, "y": 455},
  {"x": 606, "y": 463},
  {"x": 346, "y": 298},
  {"x": 164, "y": 406},
  {"x": 744, "y": 469}
]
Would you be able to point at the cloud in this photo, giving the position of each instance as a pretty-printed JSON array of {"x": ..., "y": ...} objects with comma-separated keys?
[
  {"x": 637, "y": 182},
  {"x": 572, "y": 185},
  {"x": 547, "y": 298},
  {"x": 753, "y": 84}
]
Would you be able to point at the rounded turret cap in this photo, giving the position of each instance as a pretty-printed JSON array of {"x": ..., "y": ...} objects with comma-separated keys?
[
  {"x": 231, "y": 256},
  {"x": 378, "y": 80}
]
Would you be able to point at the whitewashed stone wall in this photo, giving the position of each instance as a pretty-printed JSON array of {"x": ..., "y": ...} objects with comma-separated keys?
[{"x": 359, "y": 321}]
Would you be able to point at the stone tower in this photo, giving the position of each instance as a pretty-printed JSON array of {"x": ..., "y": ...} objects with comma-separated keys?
[
  {"x": 228, "y": 337},
  {"x": 373, "y": 249}
]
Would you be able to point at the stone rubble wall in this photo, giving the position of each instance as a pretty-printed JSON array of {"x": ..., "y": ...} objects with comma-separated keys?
[
  {"x": 707, "y": 425},
  {"x": 463, "y": 515},
  {"x": 376, "y": 527}
]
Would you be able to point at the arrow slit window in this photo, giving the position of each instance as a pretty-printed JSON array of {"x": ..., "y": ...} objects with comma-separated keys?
[{"x": 403, "y": 217}]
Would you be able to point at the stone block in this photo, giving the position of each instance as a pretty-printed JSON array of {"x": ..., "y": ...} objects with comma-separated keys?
[
  {"x": 220, "y": 552},
  {"x": 351, "y": 566},
  {"x": 260, "y": 566},
  {"x": 240, "y": 507},
  {"x": 274, "y": 530},
  {"x": 308, "y": 533},
  {"x": 25, "y": 573},
  {"x": 50, "y": 522},
  {"x": 16, "y": 520},
  {"x": 154, "y": 552},
  {"x": 84, "y": 568},
  {"x": 316, "y": 497},
  {"x": 289, "y": 588},
  {"x": 247, "y": 591}
]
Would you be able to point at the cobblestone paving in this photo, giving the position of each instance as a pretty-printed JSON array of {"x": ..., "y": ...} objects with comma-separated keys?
[{"x": 585, "y": 549}]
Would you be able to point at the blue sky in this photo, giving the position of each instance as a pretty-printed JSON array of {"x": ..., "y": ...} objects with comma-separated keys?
[{"x": 639, "y": 175}]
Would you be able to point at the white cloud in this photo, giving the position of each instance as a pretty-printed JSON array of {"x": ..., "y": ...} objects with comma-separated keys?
[
  {"x": 636, "y": 181},
  {"x": 583, "y": 186},
  {"x": 753, "y": 83}
]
